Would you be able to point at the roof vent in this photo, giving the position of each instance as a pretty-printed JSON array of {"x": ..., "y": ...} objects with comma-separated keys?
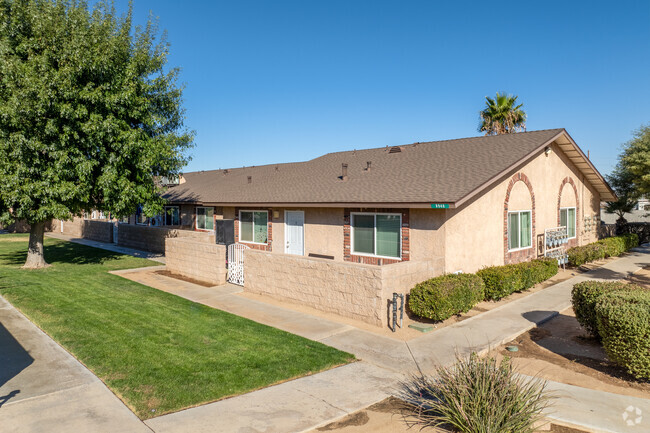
[
  {"x": 226, "y": 171},
  {"x": 368, "y": 163},
  {"x": 395, "y": 149},
  {"x": 250, "y": 179},
  {"x": 344, "y": 171}
]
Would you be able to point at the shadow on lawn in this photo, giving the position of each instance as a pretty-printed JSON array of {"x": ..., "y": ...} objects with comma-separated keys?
[{"x": 65, "y": 252}]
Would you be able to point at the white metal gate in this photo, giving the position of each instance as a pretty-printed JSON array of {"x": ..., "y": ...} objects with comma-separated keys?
[{"x": 236, "y": 263}]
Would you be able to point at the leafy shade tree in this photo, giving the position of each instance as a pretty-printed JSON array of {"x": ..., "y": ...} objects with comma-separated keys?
[
  {"x": 621, "y": 181},
  {"x": 89, "y": 117},
  {"x": 635, "y": 159},
  {"x": 502, "y": 116}
]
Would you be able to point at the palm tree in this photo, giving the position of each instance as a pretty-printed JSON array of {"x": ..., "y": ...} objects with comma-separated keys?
[{"x": 501, "y": 116}]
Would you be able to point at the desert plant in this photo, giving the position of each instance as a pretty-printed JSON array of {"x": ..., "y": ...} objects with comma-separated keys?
[
  {"x": 624, "y": 324},
  {"x": 477, "y": 395},
  {"x": 441, "y": 297}
]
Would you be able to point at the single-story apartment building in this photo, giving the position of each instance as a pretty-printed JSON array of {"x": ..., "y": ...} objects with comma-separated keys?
[{"x": 342, "y": 232}]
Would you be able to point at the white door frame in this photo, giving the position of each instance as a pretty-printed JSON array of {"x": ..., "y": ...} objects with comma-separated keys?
[{"x": 286, "y": 232}]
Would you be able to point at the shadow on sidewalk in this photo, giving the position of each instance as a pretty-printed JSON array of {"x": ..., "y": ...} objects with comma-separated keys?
[{"x": 13, "y": 359}]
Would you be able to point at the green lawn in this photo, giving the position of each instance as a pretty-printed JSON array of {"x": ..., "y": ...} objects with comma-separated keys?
[{"x": 158, "y": 352}]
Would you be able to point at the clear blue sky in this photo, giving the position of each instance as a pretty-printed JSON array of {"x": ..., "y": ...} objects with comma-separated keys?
[{"x": 279, "y": 81}]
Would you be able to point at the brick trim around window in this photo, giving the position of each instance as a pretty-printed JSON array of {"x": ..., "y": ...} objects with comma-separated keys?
[
  {"x": 572, "y": 242},
  {"x": 528, "y": 253},
  {"x": 348, "y": 256},
  {"x": 269, "y": 226}
]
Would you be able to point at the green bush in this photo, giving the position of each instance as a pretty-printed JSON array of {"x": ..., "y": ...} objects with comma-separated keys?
[
  {"x": 631, "y": 240},
  {"x": 584, "y": 297},
  {"x": 608, "y": 247},
  {"x": 477, "y": 395},
  {"x": 624, "y": 324},
  {"x": 614, "y": 246},
  {"x": 501, "y": 281},
  {"x": 442, "y": 297}
]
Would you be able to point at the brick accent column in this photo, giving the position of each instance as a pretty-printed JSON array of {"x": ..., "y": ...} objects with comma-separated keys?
[
  {"x": 348, "y": 256},
  {"x": 528, "y": 253},
  {"x": 569, "y": 180}
]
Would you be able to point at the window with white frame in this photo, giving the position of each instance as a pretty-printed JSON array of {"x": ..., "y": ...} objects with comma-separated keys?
[
  {"x": 376, "y": 234},
  {"x": 520, "y": 231},
  {"x": 205, "y": 218},
  {"x": 172, "y": 216},
  {"x": 568, "y": 220},
  {"x": 253, "y": 226}
]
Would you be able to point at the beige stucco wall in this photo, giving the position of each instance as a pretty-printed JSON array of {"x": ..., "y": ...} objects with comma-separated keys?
[
  {"x": 197, "y": 260},
  {"x": 520, "y": 198},
  {"x": 475, "y": 232},
  {"x": 427, "y": 234},
  {"x": 352, "y": 290}
]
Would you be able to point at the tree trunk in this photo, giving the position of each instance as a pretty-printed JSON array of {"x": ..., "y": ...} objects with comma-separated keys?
[{"x": 35, "y": 256}]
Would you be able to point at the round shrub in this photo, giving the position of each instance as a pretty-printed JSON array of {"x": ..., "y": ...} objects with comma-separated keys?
[
  {"x": 614, "y": 246},
  {"x": 442, "y": 297},
  {"x": 624, "y": 324},
  {"x": 585, "y": 295},
  {"x": 500, "y": 281}
]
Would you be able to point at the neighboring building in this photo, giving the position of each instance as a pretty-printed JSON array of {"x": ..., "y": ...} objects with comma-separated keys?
[
  {"x": 458, "y": 205},
  {"x": 640, "y": 213}
]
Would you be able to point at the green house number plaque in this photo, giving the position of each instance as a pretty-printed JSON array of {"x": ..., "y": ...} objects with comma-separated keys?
[{"x": 440, "y": 206}]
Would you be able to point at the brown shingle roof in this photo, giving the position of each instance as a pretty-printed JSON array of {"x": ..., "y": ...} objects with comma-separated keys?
[{"x": 433, "y": 172}]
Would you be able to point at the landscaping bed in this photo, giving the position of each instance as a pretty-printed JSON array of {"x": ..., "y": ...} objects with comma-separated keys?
[
  {"x": 562, "y": 350},
  {"x": 158, "y": 352}
]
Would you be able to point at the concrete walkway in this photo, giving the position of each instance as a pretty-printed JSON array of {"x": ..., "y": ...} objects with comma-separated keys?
[
  {"x": 110, "y": 247},
  {"x": 44, "y": 389},
  {"x": 598, "y": 411},
  {"x": 385, "y": 361}
]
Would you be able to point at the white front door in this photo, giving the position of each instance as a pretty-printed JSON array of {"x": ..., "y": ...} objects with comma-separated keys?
[{"x": 294, "y": 234}]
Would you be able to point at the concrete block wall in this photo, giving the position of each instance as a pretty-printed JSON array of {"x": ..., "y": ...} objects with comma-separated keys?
[
  {"x": 198, "y": 260},
  {"x": 352, "y": 290},
  {"x": 153, "y": 239},
  {"x": 95, "y": 230}
]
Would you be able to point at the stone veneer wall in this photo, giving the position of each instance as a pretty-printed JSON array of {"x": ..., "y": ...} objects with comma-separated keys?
[
  {"x": 153, "y": 239},
  {"x": 198, "y": 260},
  {"x": 358, "y": 291}
]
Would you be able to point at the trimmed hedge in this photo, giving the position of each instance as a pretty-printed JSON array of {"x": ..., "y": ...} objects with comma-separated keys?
[
  {"x": 608, "y": 247},
  {"x": 501, "y": 281},
  {"x": 624, "y": 323},
  {"x": 585, "y": 295},
  {"x": 442, "y": 297}
]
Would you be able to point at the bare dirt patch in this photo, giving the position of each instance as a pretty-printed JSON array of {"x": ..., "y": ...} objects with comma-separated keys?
[
  {"x": 182, "y": 278},
  {"x": 560, "y": 350},
  {"x": 391, "y": 416}
]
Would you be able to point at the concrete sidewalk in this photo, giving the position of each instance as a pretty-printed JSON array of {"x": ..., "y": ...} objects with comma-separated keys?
[
  {"x": 44, "y": 389},
  {"x": 597, "y": 411},
  {"x": 385, "y": 361},
  {"x": 478, "y": 333},
  {"x": 110, "y": 247}
]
